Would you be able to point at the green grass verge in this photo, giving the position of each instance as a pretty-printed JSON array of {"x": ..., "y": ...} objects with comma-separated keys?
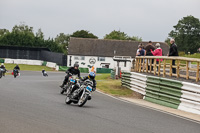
[
  {"x": 113, "y": 87},
  {"x": 28, "y": 67}
]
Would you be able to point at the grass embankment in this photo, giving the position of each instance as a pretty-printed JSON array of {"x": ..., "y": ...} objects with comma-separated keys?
[
  {"x": 111, "y": 86},
  {"x": 23, "y": 67}
]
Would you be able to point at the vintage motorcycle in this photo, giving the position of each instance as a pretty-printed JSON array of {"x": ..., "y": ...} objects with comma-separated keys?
[
  {"x": 71, "y": 82},
  {"x": 81, "y": 94}
]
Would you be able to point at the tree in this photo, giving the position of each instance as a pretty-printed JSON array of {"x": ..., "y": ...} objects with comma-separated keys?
[
  {"x": 63, "y": 40},
  {"x": 23, "y": 35},
  {"x": 118, "y": 35},
  {"x": 187, "y": 34},
  {"x": 83, "y": 34}
]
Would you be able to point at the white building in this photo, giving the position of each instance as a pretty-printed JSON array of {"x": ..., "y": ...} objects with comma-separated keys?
[{"x": 99, "y": 52}]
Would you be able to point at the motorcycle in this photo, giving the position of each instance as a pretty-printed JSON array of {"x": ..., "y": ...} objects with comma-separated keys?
[
  {"x": 16, "y": 73},
  {"x": 2, "y": 72},
  {"x": 80, "y": 95},
  {"x": 70, "y": 84}
]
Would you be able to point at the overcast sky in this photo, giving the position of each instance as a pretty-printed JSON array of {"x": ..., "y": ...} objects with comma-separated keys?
[{"x": 149, "y": 19}]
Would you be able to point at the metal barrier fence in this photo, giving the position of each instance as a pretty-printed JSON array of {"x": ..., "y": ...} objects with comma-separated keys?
[
  {"x": 185, "y": 67},
  {"x": 171, "y": 93}
]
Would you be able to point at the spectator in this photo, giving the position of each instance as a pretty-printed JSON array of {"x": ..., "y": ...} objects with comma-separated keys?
[
  {"x": 148, "y": 49},
  {"x": 141, "y": 51},
  {"x": 139, "y": 48},
  {"x": 157, "y": 52},
  {"x": 173, "y": 52}
]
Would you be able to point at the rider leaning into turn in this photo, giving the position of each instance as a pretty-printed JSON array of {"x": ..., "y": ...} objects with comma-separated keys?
[
  {"x": 91, "y": 77},
  {"x": 17, "y": 67},
  {"x": 71, "y": 71}
]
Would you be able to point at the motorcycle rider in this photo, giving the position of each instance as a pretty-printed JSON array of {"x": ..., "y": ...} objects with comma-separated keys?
[
  {"x": 3, "y": 69},
  {"x": 16, "y": 68},
  {"x": 91, "y": 77},
  {"x": 71, "y": 71}
]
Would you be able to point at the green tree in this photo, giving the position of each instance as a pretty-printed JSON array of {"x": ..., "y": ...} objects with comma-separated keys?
[
  {"x": 118, "y": 35},
  {"x": 187, "y": 34},
  {"x": 83, "y": 34}
]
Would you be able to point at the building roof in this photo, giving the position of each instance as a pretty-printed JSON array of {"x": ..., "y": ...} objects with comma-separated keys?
[{"x": 106, "y": 48}]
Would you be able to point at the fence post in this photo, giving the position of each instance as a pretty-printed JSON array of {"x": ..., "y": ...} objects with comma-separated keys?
[
  {"x": 187, "y": 70},
  {"x": 136, "y": 64},
  {"x": 143, "y": 65},
  {"x": 170, "y": 68},
  {"x": 140, "y": 64},
  {"x": 159, "y": 66},
  {"x": 150, "y": 65},
  {"x": 178, "y": 70},
  {"x": 147, "y": 65},
  {"x": 154, "y": 66},
  {"x": 197, "y": 74},
  {"x": 164, "y": 66}
]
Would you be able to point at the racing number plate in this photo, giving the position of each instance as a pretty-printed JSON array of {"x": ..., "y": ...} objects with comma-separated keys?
[{"x": 89, "y": 88}]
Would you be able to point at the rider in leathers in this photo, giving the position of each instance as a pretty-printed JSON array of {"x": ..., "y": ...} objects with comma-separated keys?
[{"x": 71, "y": 71}]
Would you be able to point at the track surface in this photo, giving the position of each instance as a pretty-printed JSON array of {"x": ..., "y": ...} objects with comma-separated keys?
[{"x": 32, "y": 104}]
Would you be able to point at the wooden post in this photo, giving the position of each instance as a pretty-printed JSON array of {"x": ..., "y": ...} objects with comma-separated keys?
[
  {"x": 143, "y": 65},
  {"x": 170, "y": 68},
  {"x": 159, "y": 68},
  {"x": 197, "y": 74},
  {"x": 187, "y": 70},
  {"x": 147, "y": 65},
  {"x": 140, "y": 64},
  {"x": 178, "y": 69},
  {"x": 150, "y": 64},
  {"x": 164, "y": 67},
  {"x": 136, "y": 68},
  {"x": 155, "y": 66}
]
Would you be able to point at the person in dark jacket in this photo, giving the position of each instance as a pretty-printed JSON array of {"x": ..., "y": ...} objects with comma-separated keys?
[
  {"x": 173, "y": 51},
  {"x": 17, "y": 67},
  {"x": 3, "y": 69},
  {"x": 148, "y": 49},
  {"x": 71, "y": 71},
  {"x": 44, "y": 73}
]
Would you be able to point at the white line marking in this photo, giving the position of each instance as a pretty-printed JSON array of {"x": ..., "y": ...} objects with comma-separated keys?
[{"x": 182, "y": 117}]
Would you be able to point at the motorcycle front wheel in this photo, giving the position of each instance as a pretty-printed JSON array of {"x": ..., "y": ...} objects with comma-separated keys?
[
  {"x": 83, "y": 100},
  {"x": 67, "y": 100},
  {"x": 62, "y": 91}
]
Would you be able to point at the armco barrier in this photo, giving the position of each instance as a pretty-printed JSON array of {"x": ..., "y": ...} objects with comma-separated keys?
[{"x": 171, "y": 93}]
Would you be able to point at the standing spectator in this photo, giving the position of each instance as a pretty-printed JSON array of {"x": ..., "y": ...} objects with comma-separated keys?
[
  {"x": 157, "y": 52},
  {"x": 148, "y": 49},
  {"x": 141, "y": 51},
  {"x": 139, "y": 48},
  {"x": 173, "y": 52}
]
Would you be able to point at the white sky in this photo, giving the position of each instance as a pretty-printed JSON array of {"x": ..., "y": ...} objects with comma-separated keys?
[{"x": 149, "y": 19}]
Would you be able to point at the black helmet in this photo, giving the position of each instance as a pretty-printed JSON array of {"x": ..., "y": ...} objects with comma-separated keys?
[{"x": 76, "y": 65}]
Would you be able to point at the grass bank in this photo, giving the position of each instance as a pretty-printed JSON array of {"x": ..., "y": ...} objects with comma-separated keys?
[
  {"x": 112, "y": 87},
  {"x": 28, "y": 67}
]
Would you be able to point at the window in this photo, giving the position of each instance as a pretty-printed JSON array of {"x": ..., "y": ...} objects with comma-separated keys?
[
  {"x": 101, "y": 59},
  {"x": 79, "y": 57}
]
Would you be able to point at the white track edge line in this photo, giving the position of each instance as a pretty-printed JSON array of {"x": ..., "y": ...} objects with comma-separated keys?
[{"x": 159, "y": 110}]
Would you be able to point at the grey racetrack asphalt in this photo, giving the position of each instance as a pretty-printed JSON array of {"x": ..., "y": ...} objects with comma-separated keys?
[{"x": 31, "y": 103}]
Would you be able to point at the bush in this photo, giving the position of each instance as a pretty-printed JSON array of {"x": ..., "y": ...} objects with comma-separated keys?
[{"x": 2, "y": 60}]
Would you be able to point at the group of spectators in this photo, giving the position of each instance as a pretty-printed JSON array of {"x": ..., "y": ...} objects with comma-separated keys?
[{"x": 151, "y": 50}]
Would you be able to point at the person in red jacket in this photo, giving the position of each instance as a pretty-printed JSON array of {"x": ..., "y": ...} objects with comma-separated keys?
[{"x": 157, "y": 52}]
